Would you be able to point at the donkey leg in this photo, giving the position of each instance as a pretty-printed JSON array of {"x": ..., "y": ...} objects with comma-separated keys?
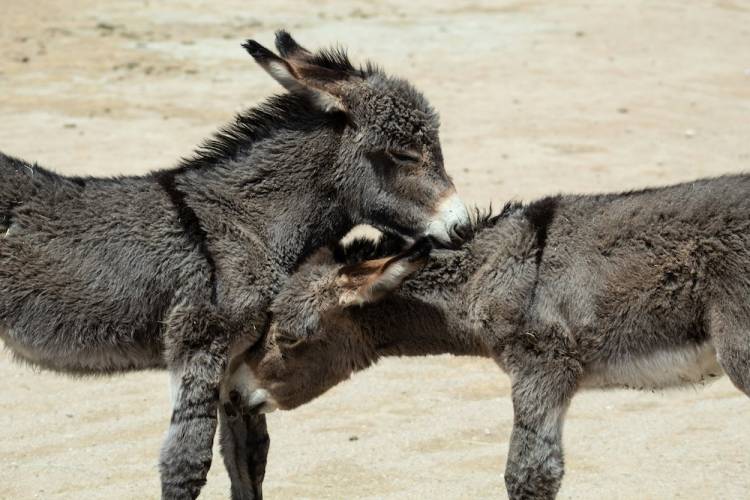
[
  {"x": 541, "y": 394},
  {"x": 244, "y": 445},
  {"x": 729, "y": 330},
  {"x": 196, "y": 347}
]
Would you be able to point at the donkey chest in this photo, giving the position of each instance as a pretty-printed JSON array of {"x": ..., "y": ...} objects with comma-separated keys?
[{"x": 674, "y": 367}]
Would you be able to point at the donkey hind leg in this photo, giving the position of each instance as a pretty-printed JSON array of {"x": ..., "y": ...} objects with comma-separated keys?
[
  {"x": 729, "y": 330},
  {"x": 196, "y": 350},
  {"x": 244, "y": 445},
  {"x": 541, "y": 394}
]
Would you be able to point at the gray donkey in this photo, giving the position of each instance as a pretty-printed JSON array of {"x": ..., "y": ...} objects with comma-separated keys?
[
  {"x": 176, "y": 269},
  {"x": 647, "y": 290}
]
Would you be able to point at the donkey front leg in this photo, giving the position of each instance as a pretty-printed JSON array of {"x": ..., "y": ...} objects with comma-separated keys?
[
  {"x": 196, "y": 348},
  {"x": 541, "y": 394}
]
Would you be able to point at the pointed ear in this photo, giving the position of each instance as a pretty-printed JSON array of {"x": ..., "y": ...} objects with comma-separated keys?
[
  {"x": 278, "y": 68},
  {"x": 297, "y": 71},
  {"x": 371, "y": 280},
  {"x": 289, "y": 48}
]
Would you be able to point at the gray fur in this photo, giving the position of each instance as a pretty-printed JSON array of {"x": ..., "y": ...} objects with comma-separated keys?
[
  {"x": 646, "y": 289},
  {"x": 176, "y": 269}
]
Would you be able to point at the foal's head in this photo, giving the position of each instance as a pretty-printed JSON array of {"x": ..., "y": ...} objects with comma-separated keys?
[
  {"x": 389, "y": 168},
  {"x": 316, "y": 339}
]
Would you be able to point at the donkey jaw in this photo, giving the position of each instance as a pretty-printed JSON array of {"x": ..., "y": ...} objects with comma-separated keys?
[{"x": 450, "y": 213}]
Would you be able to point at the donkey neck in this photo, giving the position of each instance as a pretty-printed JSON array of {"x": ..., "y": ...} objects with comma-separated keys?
[
  {"x": 429, "y": 318},
  {"x": 269, "y": 177},
  {"x": 421, "y": 328},
  {"x": 296, "y": 210}
]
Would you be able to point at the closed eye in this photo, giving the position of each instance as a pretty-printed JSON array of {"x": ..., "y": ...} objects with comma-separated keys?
[{"x": 403, "y": 156}]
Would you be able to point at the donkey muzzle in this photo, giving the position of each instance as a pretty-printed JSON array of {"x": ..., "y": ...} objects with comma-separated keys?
[{"x": 451, "y": 212}]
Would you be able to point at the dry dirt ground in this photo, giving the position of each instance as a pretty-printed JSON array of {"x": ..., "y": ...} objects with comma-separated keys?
[{"x": 535, "y": 97}]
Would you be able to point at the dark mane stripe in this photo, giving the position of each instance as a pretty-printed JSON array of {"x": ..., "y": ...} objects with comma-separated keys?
[{"x": 541, "y": 214}]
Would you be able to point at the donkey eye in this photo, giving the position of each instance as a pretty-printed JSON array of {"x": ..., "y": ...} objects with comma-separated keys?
[{"x": 404, "y": 156}]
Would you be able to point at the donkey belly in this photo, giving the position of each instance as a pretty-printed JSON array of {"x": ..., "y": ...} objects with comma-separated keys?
[
  {"x": 678, "y": 366},
  {"x": 81, "y": 360},
  {"x": 96, "y": 311},
  {"x": 79, "y": 316}
]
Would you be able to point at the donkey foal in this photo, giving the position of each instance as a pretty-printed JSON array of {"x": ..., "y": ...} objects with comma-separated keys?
[{"x": 646, "y": 290}]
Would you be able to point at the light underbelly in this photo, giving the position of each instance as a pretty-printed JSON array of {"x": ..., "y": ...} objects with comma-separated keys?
[{"x": 687, "y": 365}]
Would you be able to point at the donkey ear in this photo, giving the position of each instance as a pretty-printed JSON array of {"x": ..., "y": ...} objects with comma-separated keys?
[
  {"x": 278, "y": 68},
  {"x": 298, "y": 72},
  {"x": 289, "y": 48},
  {"x": 371, "y": 280}
]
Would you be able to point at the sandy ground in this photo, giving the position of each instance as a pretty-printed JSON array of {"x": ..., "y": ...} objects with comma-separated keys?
[{"x": 535, "y": 97}]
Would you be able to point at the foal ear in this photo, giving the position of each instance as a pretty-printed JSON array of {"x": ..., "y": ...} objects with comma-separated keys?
[
  {"x": 298, "y": 70},
  {"x": 371, "y": 280},
  {"x": 289, "y": 48}
]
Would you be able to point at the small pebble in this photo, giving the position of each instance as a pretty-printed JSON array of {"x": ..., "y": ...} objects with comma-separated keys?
[{"x": 689, "y": 133}]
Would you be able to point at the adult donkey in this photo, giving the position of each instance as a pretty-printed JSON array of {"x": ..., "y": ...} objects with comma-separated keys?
[{"x": 177, "y": 268}]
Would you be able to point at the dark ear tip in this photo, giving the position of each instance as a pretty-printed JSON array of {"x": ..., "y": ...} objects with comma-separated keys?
[
  {"x": 255, "y": 49},
  {"x": 285, "y": 43},
  {"x": 283, "y": 36}
]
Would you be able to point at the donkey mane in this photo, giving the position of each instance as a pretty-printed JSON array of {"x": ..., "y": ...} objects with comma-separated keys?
[
  {"x": 485, "y": 218},
  {"x": 279, "y": 111},
  {"x": 253, "y": 125},
  {"x": 482, "y": 218},
  {"x": 337, "y": 59}
]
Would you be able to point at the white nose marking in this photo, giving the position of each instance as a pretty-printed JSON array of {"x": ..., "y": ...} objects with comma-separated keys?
[
  {"x": 243, "y": 380},
  {"x": 451, "y": 212}
]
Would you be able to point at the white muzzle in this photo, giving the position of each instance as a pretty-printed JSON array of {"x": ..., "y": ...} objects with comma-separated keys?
[{"x": 451, "y": 212}]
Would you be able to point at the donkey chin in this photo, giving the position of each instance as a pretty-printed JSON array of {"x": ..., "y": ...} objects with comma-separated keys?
[{"x": 451, "y": 213}]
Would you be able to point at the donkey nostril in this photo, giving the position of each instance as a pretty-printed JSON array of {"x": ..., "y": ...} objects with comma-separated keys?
[
  {"x": 455, "y": 236},
  {"x": 464, "y": 230}
]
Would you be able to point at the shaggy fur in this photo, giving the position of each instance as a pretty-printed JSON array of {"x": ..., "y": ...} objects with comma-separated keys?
[
  {"x": 646, "y": 290},
  {"x": 176, "y": 269}
]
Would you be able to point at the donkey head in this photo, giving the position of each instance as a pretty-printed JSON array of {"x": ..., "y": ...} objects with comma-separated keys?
[
  {"x": 314, "y": 342},
  {"x": 389, "y": 168}
]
